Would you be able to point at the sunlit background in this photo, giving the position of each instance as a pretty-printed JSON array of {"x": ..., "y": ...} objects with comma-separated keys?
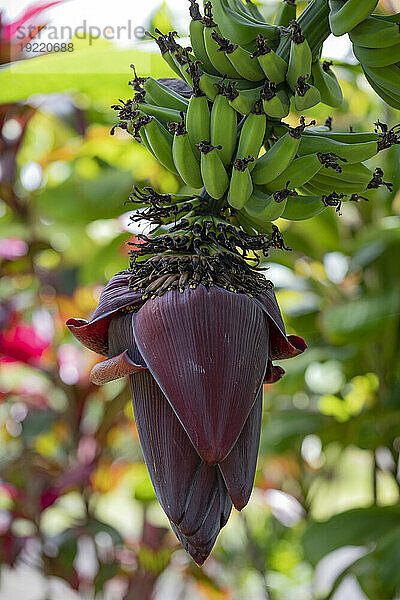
[{"x": 78, "y": 515}]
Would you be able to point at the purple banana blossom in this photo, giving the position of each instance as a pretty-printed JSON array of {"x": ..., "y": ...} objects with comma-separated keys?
[{"x": 197, "y": 361}]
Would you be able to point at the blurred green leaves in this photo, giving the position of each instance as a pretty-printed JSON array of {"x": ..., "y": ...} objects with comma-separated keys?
[
  {"x": 356, "y": 527},
  {"x": 100, "y": 71}
]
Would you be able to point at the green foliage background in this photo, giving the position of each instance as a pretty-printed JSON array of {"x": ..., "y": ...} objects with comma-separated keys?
[{"x": 327, "y": 475}]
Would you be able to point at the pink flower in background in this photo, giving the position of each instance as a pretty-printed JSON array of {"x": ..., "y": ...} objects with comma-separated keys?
[
  {"x": 12, "y": 248},
  {"x": 22, "y": 343}
]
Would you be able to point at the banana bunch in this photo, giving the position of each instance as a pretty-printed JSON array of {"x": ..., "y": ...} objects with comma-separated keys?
[
  {"x": 346, "y": 14},
  {"x": 376, "y": 45},
  {"x": 228, "y": 142},
  {"x": 242, "y": 22}
]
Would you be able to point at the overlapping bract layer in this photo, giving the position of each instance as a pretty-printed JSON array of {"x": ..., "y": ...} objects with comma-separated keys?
[
  {"x": 214, "y": 345},
  {"x": 197, "y": 361}
]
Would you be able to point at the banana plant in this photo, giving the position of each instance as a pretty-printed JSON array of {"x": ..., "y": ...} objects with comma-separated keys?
[{"x": 192, "y": 321}]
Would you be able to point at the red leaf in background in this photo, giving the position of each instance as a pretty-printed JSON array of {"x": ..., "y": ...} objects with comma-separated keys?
[
  {"x": 22, "y": 343},
  {"x": 9, "y": 147},
  {"x": 9, "y": 31},
  {"x": 13, "y": 35}
]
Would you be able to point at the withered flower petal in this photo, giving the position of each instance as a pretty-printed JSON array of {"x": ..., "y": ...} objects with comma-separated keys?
[
  {"x": 274, "y": 373},
  {"x": 114, "y": 368},
  {"x": 208, "y": 351}
]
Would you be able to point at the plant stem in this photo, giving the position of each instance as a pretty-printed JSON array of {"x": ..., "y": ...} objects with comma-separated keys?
[
  {"x": 315, "y": 25},
  {"x": 375, "y": 479}
]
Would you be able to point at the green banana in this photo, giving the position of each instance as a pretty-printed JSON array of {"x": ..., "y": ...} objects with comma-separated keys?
[
  {"x": 376, "y": 32},
  {"x": 253, "y": 11},
  {"x": 237, "y": 23},
  {"x": 196, "y": 29},
  {"x": 184, "y": 61},
  {"x": 327, "y": 84},
  {"x": 299, "y": 172},
  {"x": 263, "y": 207},
  {"x": 164, "y": 47},
  {"x": 212, "y": 35},
  {"x": 278, "y": 158},
  {"x": 198, "y": 119},
  {"x": 223, "y": 126},
  {"x": 252, "y": 134},
  {"x": 344, "y": 136},
  {"x": 273, "y": 66},
  {"x": 160, "y": 141},
  {"x": 248, "y": 225},
  {"x": 286, "y": 13},
  {"x": 163, "y": 115},
  {"x": 186, "y": 163},
  {"x": 325, "y": 186},
  {"x": 390, "y": 99},
  {"x": 213, "y": 172},
  {"x": 276, "y": 103},
  {"x": 242, "y": 60},
  {"x": 160, "y": 94},
  {"x": 377, "y": 57},
  {"x": 138, "y": 131},
  {"x": 203, "y": 81},
  {"x": 241, "y": 184},
  {"x": 352, "y": 179},
  {"x": 310, "y": 190},
  {"x": 218, "y": 59},
  {"x": 179, "y": 56},
  {"x": 345, "y": 15},
  {"x": 387, "y": 78},
  {"x": 242, "y": 100},
  {"x": 301, "y": 208},
  {"x": 300, "y": 59},
  {"x": 351, "y": 153},
  {"x": 357, "y": 173},
  {"x": 306, "y": 95}
]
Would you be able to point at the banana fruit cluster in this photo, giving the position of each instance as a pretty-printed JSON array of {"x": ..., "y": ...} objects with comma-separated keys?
[
  {"x": 376, "y": 43},
  {"x": 228, "y": 141}
]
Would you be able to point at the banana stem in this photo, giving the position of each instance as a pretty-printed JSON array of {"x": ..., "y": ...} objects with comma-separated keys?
[{"x": 314, "y": 22}]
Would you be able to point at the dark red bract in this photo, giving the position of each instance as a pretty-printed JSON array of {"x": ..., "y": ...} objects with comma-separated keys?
[{"x": 197, "y": 361}]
